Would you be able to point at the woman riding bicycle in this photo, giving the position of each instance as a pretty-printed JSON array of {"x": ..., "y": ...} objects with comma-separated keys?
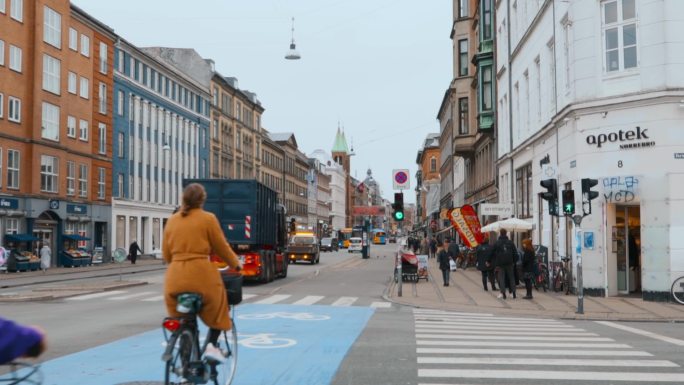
[{"x": 190, "y": 236}]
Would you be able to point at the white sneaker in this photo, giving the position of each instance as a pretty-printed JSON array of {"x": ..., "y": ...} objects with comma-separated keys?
[
  {"x": 500, "y": 296},
  {"x": 214, "y": 354}
]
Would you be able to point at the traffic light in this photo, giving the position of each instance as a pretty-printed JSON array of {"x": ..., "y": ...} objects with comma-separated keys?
[
  {"x": 398, "y": 207},
  {"x": 551, "y": 195},
  {"x": 568, "y": 202},
  {"x": 588, "y": 195}
]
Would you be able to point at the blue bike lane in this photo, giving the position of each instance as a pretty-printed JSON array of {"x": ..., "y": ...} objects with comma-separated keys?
[{"x": 278, "y": 344}]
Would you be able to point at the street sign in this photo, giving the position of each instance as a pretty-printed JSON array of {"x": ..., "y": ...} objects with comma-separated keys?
[
  {"x": 503, "y": 210},
  {"x": 400, "y": 179},
  {"x": 549, "y": 171},
  {"x": 368, "y": 210}
]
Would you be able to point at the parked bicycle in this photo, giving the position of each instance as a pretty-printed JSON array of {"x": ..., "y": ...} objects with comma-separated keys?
[
  {"x": 561, "y": 280},
  {"x": 542, "y": 277},
  {"x": 468, "y": 258},
  {"x": 677, "y": 290},
  {"x": 21, "y": 373},
  {"x": 183, "y": 353}
]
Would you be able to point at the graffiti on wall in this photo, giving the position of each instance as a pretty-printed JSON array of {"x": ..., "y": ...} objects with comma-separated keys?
[{"x": 620, "y": 189}]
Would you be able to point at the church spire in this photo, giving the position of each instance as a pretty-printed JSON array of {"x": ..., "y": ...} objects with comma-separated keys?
[{"x": 340, "y": 144}]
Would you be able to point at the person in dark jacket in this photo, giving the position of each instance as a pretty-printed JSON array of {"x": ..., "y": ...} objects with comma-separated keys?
[
  {"x": 18, "y": 341},
  {"x": 485, "y": 262},
  {"x": 505, "y": 255},
  {"x": 443, "y": 260},
  {"x": 528, "y": 261},
  {"x": 454, "y": 250},
  {"x": 433, "y": 246},
  {"x": 133, "y": 251}
]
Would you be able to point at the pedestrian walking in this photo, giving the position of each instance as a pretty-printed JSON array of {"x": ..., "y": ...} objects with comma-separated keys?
[
  {"x": 505, "y": 256},
  {"x": 485, "y": 262},
  {"x": 454, "y": 250},
  {"x": 443, "y": 259},
  {"x": 433, "y": 246},
  {"x": 424, "y": 247},
  {"x": 45, "y": 257},
  {"x": 133, "y": 251},
  {"x": 528, "y": 262}
]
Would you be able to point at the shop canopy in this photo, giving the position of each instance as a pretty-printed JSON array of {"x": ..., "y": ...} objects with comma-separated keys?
[
  {"x": 20, "y": 238},
  {"x": 75, "y": 237}
]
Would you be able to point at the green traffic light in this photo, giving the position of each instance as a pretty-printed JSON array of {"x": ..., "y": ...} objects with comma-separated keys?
[
  {"x": 569, "y": 209},
  {"x": 398, "y": 215}
]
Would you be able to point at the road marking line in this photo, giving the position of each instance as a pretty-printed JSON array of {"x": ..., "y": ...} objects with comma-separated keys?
[
  {"x": 383, "y": 305},
  {"x": 523, "y": 344},
  {"x": 536, "y": 352},
  {"x": 481, "y": 319},
  {"x": 154, "y": 299},
  {"x": 274, "y": 299},
  {"x": 248, "y": 296},
  {"x": 552, "y": 375},
  {"x": 345, "y": 301},
  {"x": 131, "y": 296},
  {"x": 544, "y": 361},
  {"x": 95, "y": 295},
  {"x": 424, "y": 329},
  {"x": 309, "y": 300},
  {"x": 490, "y": 324},
  {"x": 644, "y": 333},
  {"x": 514, "y": 338},
  {"x": 472, "y": 328},
  {"x": 442, "y": 312}
]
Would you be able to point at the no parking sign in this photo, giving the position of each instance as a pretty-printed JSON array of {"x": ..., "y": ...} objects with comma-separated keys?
[{"x": 400, "y": 179}]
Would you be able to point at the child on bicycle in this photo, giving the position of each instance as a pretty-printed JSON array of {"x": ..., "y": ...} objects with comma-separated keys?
[{"x": 19, "y": 341}]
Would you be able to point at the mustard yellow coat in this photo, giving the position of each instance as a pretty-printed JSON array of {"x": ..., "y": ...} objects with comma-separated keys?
[{"x": 188, "y": 241}]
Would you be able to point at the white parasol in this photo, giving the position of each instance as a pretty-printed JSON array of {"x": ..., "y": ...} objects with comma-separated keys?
[{"x": 510, "y": 224}]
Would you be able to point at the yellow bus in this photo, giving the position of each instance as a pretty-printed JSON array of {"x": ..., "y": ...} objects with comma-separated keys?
[
  {"x": 379, "y": 237},
  {"x": 344, "y": 235}
]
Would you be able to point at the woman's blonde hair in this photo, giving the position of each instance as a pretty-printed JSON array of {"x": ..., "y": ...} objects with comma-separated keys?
[{"x": 193, "y": 197}]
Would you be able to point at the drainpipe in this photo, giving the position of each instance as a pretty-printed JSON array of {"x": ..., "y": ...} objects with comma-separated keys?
[{"x": 510, "y": 106}]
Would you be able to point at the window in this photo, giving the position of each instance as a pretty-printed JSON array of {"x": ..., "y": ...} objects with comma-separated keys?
[
  {"x": 14, "y": 110},
  {"x": 566, "y": 50},
  {"x": 50, "y": 122},
  {"x": 71, "y": 126},
  {"x": 537, "y": 73},
  {"x": 51, "y": 71},
  {"x": 71, "y": 177},
  {"x": 85, "y": 88},
  {"x": 102, "y": 132},
  {"x": 121, "y": 101},
  {"x": 73, "y": 39},
  {"x": 103, "y": 98},
  {"x": 120, "y": 185},
  {"x": 486, "y": 31},
  {"x": 620, "y": 35},
  {"x": 487, "y": 88},
  {"x": 15, "y": 58},
  {"x": 85, "y": 45},
  {"x": 103, "y": 57},
  {"x": 11, "y": 226},
  {"x": 100, "y": 183},
  {"x": 48, "y": 173},
  {"x": 122, "y": 144},
  {"x": 121, "y": 57},
  {"x": 17, "y": 10},
  {"x": 13, "y": 166},
  {"x": 433, "y": 164},
  {"x": 2, "y": 52},
  {"x": 82, "y": 180},
  {"x": 52, "y": 27},
  {"x": 2, "y": 6},
  {"x": 523, "y": 188},
  {"x": 463, "y": 8},
  {"x": 214, "y": 96},
  {"x": 83, "y": 134},
  {"x": 463, "y": 116},
  {"x": 2, "y": 103},
  {"x": 71, "y": 83},
  {"x": 463, "y": 57}
]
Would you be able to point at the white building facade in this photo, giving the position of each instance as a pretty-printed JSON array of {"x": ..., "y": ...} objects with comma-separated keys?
[
  {"x": 337, "y": 187},
  {"x": 593, "y": 89}
]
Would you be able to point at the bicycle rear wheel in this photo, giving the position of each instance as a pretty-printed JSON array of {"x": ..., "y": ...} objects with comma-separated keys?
[
  {"x": 677, "y": 290},
  {"x": 222, "y": 374},
  {"x": 183, "y": 353}
]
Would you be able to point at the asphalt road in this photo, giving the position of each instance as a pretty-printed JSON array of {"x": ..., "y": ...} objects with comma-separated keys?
[{"x": 329, "y": 324}]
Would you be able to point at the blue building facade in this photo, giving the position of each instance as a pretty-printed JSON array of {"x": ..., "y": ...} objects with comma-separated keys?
[{"x": 161, "y": 127}]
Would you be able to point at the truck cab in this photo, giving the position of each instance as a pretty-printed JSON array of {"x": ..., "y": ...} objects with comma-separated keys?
[{"x": 303, "y": 246}]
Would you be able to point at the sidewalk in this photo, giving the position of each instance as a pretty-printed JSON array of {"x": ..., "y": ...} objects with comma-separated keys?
[
  {"x": 22, "y": 286},
  {"x": 465, "y": 294}
]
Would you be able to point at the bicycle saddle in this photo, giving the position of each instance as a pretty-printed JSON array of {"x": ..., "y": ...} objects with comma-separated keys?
[{"x": 188, "y": 302}]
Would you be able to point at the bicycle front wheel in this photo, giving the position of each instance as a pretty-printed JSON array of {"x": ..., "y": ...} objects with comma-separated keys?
[
  {"x": 677, "y": 290},
  {"x": 223, "y": 373}
]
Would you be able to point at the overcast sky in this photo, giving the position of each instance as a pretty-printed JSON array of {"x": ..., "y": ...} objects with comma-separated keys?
[{"x": 379, "y": 67}]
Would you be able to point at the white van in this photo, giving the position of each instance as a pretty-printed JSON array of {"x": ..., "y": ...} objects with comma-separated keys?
[{"x": 355, "y": 244}]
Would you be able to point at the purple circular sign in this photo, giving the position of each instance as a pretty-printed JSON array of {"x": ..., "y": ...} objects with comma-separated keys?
[{"x": 400, "y": 177}]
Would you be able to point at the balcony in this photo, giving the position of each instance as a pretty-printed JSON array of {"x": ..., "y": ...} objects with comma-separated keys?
[
  {"x": 464, "y": 145},
  {"x": 485, "y": 121}
]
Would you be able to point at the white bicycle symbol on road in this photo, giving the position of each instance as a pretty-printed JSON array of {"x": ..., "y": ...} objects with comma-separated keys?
[
  {"x": 294, "y": 316},
  {"x": 264, "y": 341}
]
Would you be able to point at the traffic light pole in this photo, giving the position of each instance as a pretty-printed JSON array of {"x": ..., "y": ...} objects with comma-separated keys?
[{"x": 577, "y": 220}]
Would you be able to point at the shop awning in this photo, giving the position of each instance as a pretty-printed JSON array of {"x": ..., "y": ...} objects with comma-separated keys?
[
  {"x": 75, "y": 237},
  {"x": 20, "y": 238}
]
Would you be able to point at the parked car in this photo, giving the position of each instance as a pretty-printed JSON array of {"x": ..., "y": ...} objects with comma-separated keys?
[
  {"x": 329, "y": 244},
  {"x": 355, "y": 244}
]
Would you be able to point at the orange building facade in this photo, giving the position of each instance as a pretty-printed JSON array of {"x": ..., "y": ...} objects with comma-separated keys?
[{"x": 55, "y": 129}]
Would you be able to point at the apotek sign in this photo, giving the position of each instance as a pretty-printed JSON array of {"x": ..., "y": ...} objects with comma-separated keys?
[{"x": 635, "y": 138}]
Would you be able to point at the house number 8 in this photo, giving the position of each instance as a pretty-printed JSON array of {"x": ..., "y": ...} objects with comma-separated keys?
[{"x": 620, "y": 163}]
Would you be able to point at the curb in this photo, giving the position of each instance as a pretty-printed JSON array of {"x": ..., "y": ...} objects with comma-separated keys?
[{"x": 66, "y": 292}]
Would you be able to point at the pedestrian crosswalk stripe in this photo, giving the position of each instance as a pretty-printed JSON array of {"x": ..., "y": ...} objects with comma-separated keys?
[
  {"x": 558, "y": 345},
  {"x": 514, "y": 338},
  {"x": 135, "y": 295},
  {"x": 381, "y": 304},
  {"x": 552, "y": 375},
  {"x": 95, "y": 295},
  {"x": 154, "y": 299},
  {"x": 442, "y": 312},
  {"x": 274, "y": 299},
  {"x": 476, "y": 319},
  {"x": 309, "y": 300},
  {"x": 536, "y": 352},
  {"x": 345, "y": 301},
  {"x": 445, "y": 329},
  {"x": 544, "y": 361},
  {"x": 491, "y": 324},
  {"x": 248, "y": 296}
]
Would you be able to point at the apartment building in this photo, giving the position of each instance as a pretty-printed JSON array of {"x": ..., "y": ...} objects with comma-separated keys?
[
  {"x": 337, "y": 185},
  {"x": 593, "y": 89},
  {"x": 296, "y": 167},
  {"x": 161, "y": 118},
  {"x": 342, "y": 156},
  {"x": 428, "y": 183},
  {"x": 272, "y": 166},
  {"x": 55, "y": 127}
]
